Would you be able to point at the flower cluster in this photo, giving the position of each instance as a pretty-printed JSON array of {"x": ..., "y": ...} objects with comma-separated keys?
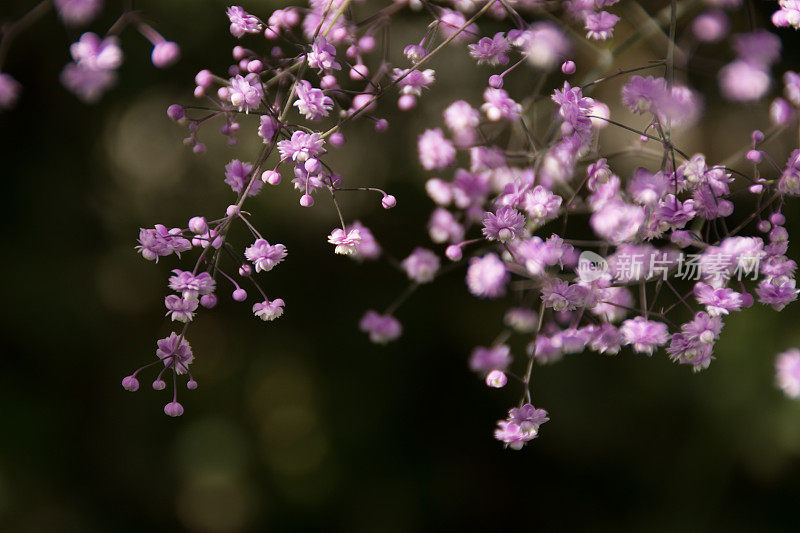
[
  {"x": 504, "y": 213},
  {"x": 541, "y": 214},
  {"x": 277, "y": 93}
]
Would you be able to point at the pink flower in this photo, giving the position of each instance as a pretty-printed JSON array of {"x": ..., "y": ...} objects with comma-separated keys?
[
  {"x": 487, "y": 276},
  {"x": 269, "y": 310},
  {"x": 381, "y": 328},
  {"x": 245, "y": 93},
  {"x": 311, "y": 102},
  {"x": 451, "y": 21},
  {"x": 301, "y": 146},
  {"x": 617, "y": 221},
  {"x": 491, "y": 50},
  {"x": 435, "y": 151},
  {"x": 500, "y": 106},
  {"x": 443, "y": 227},
  {"x": 600, "y": 26},
  {"x": 544, "y": 44},
  {"x": 541, "y": 205},
  {"x": 180, "y": 309},
  {"x": 645, "y": 335},
  {"x": 346, "y": 243},
  {"x": 322, "y": 55},
  {"x": 513, "y": 435},
  {"x": 485, "y": 359},
  {"x": 413, "y": 82},
  {"x": 787, "y": 372},
  {"x": 741, "y": 81},
  {"x": 176, "y": 352},
  {"x": 368, "y": 248},
  {"x": 504, "y": 225},
  {"x": 421, "y": 266},
  {"x": 190, "y": 285},
  {"x": 267, "y": 128},
  {"x": 242, "y": 22},
  {"x": 265, "y": 256},
  {"x": 777, "y": 293},
  {"x": 462, "y": 119},
  {"x": 95, "y": 53},
  {"x": 238, "y": 175},
  {"x": 160, "y": 241},
  {"x": 86, "y": 83}
]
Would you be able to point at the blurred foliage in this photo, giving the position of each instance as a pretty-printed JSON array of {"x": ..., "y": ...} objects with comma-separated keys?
[{"x": 302, "y": 424}]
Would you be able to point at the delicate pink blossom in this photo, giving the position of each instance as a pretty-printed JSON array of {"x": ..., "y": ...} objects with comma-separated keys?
[
  {"x": 346, "y": 243},
  {"x": 268, "y": 310}
]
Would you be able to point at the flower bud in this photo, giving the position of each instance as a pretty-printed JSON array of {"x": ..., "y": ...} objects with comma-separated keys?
[
  {"x": 232, "y": 210},
  {"x": 165, "y": 54},
  {"x": 208, "y": 301},
  {"x": 306, "y": 200},
  {"x": 496, "y": 81},
  {"x": 496, "y": 379},
  {"x": 389, "y": 201},
  {"x": 159, "y": 384},
  {"x": 778, "y": 234},
  {"x": 239, "y": 52},
  {"x": 204, "y": 78},
  {"x": 568, "y": 67},
  {"x": 191, "y": 384},
  {"x": 711, "y": 26},
  {"x": 406, "y": 102},
  {"x": 381, "y": 124},
  {"x": 328, "y": 82},
  {"x": 255, "y": 66},
  {"x": 778, "y": 219},
  {"x": 173, "y": 409},
  {"x": 245, "y": 270},
  {"x": 176, "y": 112},
  {"x": 198, "y": 225},
  {"x": 130, "y": 383},
  {"x": 359, "y": 72},
  {"x": 337, "y": 139},
  {"x": 271, "y": 176},
  {"x": 339, "y": 34},
  {"x": 366, "y": 44},
  {"x": 239, "y": 295},
  {"x": 754, "y": 156},
  {"x": 312, "y": 166},
  {"x": 453, "y": 252}
]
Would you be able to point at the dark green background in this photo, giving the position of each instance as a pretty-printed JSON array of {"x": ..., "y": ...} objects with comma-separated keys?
[{"x": 302, "y": 424}]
